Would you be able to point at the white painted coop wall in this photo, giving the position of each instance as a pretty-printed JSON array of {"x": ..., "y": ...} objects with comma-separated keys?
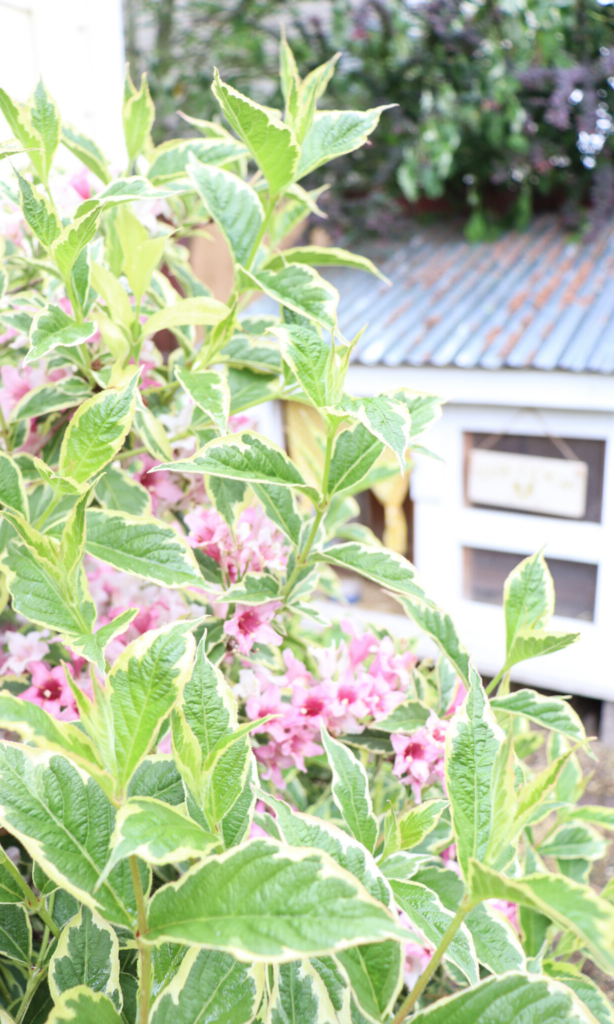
[{"x": 77, "y": 47}]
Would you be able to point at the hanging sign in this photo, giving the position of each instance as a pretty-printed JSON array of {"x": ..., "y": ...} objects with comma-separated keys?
[{"x": 527, "y": 483}]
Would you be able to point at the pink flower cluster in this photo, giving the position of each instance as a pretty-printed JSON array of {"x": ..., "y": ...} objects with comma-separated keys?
[
  {"x": 420, "y": 758},
  {"x": 417, "y": 954},
  {"x": 22, "y": 654},
  {"x": 256, "y": 543},
  {"x": 360, "y": 680}
]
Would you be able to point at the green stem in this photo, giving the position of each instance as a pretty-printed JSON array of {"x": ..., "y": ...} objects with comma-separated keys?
[
  {"x": 268, "y": 214},
  {"x": 45, "y": 516},
  {"x": 320, "y": 512},
  {"x": 34, "y": 981},
  {"x": 494, "y": 682},
  {"x": 144, "y": 951},
  {"x": 435, "y": 960},
  {"x": 5, "y": 431},
  {"x": 7, "y": 863},
  {"x": 47, "y": 920}
]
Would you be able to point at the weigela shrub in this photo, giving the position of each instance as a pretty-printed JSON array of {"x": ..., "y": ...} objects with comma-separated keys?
[{"x": 218, "y": 805}]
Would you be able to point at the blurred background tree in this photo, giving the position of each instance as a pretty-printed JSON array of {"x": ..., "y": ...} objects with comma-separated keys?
[{"x": 503, "y": 108}]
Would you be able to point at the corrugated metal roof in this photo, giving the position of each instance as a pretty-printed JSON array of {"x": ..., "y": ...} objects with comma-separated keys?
[{"x": 533, "y": 299}]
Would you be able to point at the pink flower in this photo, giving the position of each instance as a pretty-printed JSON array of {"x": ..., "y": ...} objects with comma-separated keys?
[
  {"x": 420, "y": 758},
  {"x": 458, "y": 698},
  {"x": 509, "y": 910},
  {"x": 17, "y": 382},
  {"x": 256, "y": 545},
  {"x": 23, "y": 649},
  {"x": 250, "y": 625},
  {"x": 160, "y": 485},
  {"x": 49, "y": 689},
  {"x": 82, "y": 182},
  {"x": 417, "y": 954}
]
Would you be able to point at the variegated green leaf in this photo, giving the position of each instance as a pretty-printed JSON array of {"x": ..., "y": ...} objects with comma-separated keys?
[
  {"x": 299, "y": 995},
  {"x": 62, "y": 394},
  {"x": 550, "y": 712},
  {"x": 143, "y": 546},
  {"x": 299, "y": 288},
  {"x": 428, "y": 914},
  {"x": 97, "y": 431},
  {"x": 333, "y": 133},
  {"x": 355, "y": 453},
  {"x": 584, "y": 987},
  {"x": 385, "y": 567},
  {"x": 320, "y": 256},
  {"x": 73, "y": 239},
  {"x": 120, "y": 492},
  {"x": 172, "y": 159},
  {"x": 12, "y": 488},
  {"x": 233, "y": 205},
  {"x": 87, "y": 152},
  {"x": 200, "y": 310},
  {"x": 528, "y": 597},
  {"x": 210, "y": 392},
  {"x": 351, "y": 791},
  {"x": 37, "y": 209},
  {"x": 87, "y": 953},
  {"x": 52, "y": 327},
  {"x": 210, "y": 986},
  {"x": 81, "y": 1005},
  {"x": 15, "y": 933},
  {"x": 308, "y": 356},
  {"x": 388, "y": 420}
]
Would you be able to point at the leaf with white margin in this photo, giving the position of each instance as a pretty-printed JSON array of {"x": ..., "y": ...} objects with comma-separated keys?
[
  {"x": 210, "y": 986},
  {"x": 440, "y": 627},
  {"x": 584, "y": 987},
  {"x": 71, "y": 241},
  {"x": 5, "y": 1018},
  {"x": 512, "y": 997},
  {"x": 86, "y": 151},
  {"x": 65, "y": 822},
  {"x": 534, "y": 643},
  {"x": 245, "y": 456},
  {"x": 323, "y": 256},
  {"x": 428, "y": 914},
  {"x": 37, "y": 209},
  {"x": 472, "y": 744},
  {"x": 406, "y": 717},
  {"x": 38, "y": 589},
  {"x": 142, "y": 545},
  {"x": 92, "y": 646},
  {"x": 299, "y": 288},
  {"x": 199, "y": 310},
  {"x": 417, "y": 823},
  {"x": 388, "y": 420},
  {"x": 375, "y": 975},
  {"x": 391, "y": 571},
  {"x": 271, "y": 143},
  {"x": 550, "y": 712},
  {"x": 151, "y": 432},
  {"x": 336, "y": 985},
  {"x": 15, "y": 933},
  {"x": 157, "y": 777},
  {"x": 87, "y": 953},
  {"x": 236, "y": 823},
  {"x": 335, "y": 132},
  {"x": 157, "y": 833},
  {"x": 82, "y": 1006},
  {"x": 172, "y": 159},
  {"x": 355, "y": 453},
  {"x": 97, "y": 431},
  {"x": 573, "y": 842},
  {"x": 301, "y": 829},
  {"x": 596, "y": 815},
  {"x": 267, "y": 902},
  {"x": 12, "y": 488},
  {"x": 46, "y": 398},
  {"x": 52, "y": 327},
  {"x": 497, "y": 944},
  {"x": 299, "y": 994},
  {"x": 528, "y": 597},
  {"x": 142, "y": 687},
  {"x": 308, "y": 356},
  {"x": 280, "y": 506},
  {"x": 351, "y": 791},
  {"x": 35, "y": 725},
  {"x": 571, "y": 906},
  {"x": 210, "y": 392},
  {"x": 233, "y": 204},
  {"x": 117, "y": 491},
  {"x": 254, "y": 588},
  {"x": 166, "y": 959}
]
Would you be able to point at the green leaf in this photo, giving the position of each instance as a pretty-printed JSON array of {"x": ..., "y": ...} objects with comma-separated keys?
[
  {"x": 423, "y": 409},
  {"x": 280, "y": 506},
  {"x": 142, "y": 687},
  {"x": 38, "y": 212},
  {"x": 602, "y": 816},
  {"x": 35, "y": 725},
  {"x": 38, "y": 590},
  {"x": 210, "y": 986},
  {"x": 299, "y": 994},
  {"x": 271, "y": 143},
  {"x": 15, "y": 933},
  {"x": 157, "y": 833},
  {"x": 267, "y": 902},
  {"x": 74, "y": 237},
  {"x": 52, "y": 327},
  {"x": 12, "y": 488},
  {"x": 516, "y": 997},
  {"x": 336, "y": 984},
  {"x": 299, "y": 829},
  {"x": 375, "y": 974},
  {"x": 299, "y": 288},
  {"x": 550, "y": 712},
  {"x": 82, "y": 1006},
  {"x": 228, "y": 497},
  {"x": 418, "y": 822},
  {"x": 388, "y": 421},
  {"x": 320, "y": 256},
  {"x": 236, "y": 823},
  {"x": 355, "y": 453},
  {"x": 254, "y": 588},
  {"x": 528, "y": 597},
  {"x": 308, "y": 356},
  {"x": 406, "y": 717},
  {"x": 151, "y": 432},
  {"x": 351, "y": 791},
  {"x": 234, "y": 206},
  {"x": 570, "y": 905},
  {"x": 92, "y": 646},
  {"x": 259, "y": 355},
  {"x": 200, "y": 310},
  {"x": 65, "y": 822},
  {"x": 10, "y": 889},
  {"x": 62, "y": 394},
  {"x": 427, "y": 913},
  {"x": 473, "y": 742},
  {"x": 245, "y": 456},
  {"x": 119, "y": 492},
  {"x": 390, "y": 570},
  {"x": 172, "y": 159},
  {"x": 210, "y": 392},
  {"x": 45, "y": 118},
  {"x": 248, "y": 388},
  {"x": 584, "y": 987},
  {"x": 571, "y": 842},
  {"x": 532, "y": 794},
  {"x": 158, "y": 777},
  {"x": 113, "y": 294},
  {"x": 97, "y": 431},
  {"x": 532, "y": 643},
  {"x": 143, "y": 546},
  {"x": 21, "y": 126},
  {"x": 87, "y": 953},
  {"x": 87, "y": 152},
  {"x": 138, "y": 118},
  {"x": 333, "y": 133},
  {"x": 440, "y": 627}
]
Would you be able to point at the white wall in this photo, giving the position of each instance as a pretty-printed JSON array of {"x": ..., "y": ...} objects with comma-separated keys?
[
  {"x": 76, "y": 46},
  {"x": 566, "y": 405}
]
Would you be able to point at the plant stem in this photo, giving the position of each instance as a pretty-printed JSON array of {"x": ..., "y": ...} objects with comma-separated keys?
[
  {"x": 144, "y": 951},
  {"x": 265, "y": 223},
  {"x": 45, "y": 516},
  {"x": 304, "y": 555},
  {"x": 34, "y": 981},
  {"x": 5, "y": 431},
  {"x": 494, "y": 682},
  {"x": 47, "y": 920},
  {"x": 426, "y": 976}
]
